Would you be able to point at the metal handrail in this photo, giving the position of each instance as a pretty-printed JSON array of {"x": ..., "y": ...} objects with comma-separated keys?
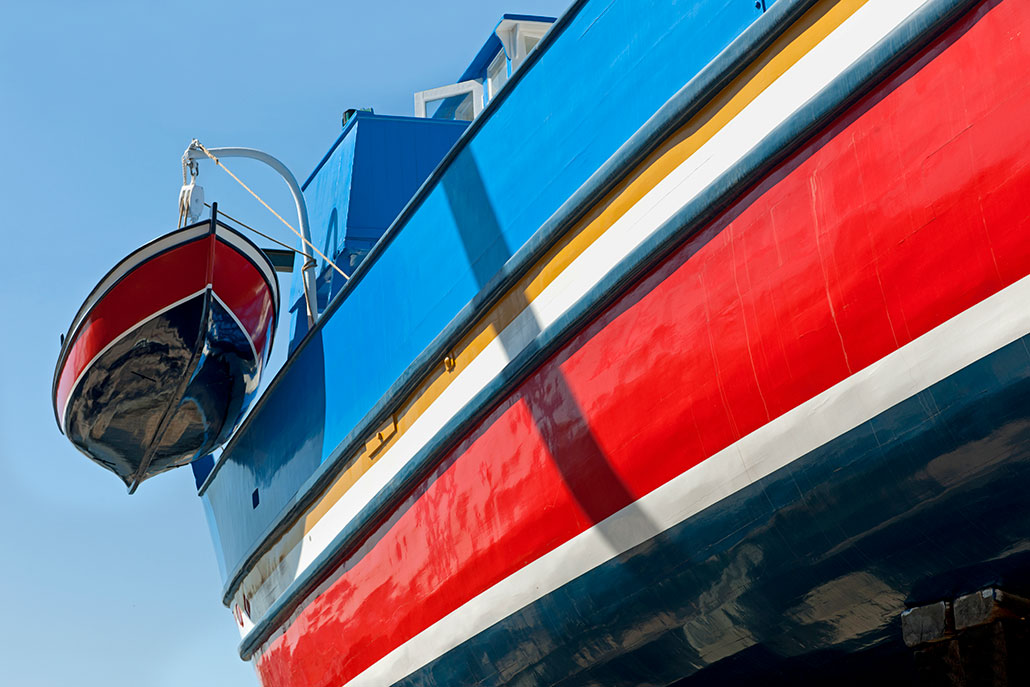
[{"x": 194, "y": 153}]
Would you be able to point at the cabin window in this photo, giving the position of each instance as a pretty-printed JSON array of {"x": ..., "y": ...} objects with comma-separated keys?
[
  {"x": 466, "y": 99},
  {"x": 465, "y": 110},
  {"x": 496, "y": 74},
  {"x": 528, "y": 43},
  {"x": 457, "y": 101},
  {"x": 521, "y": 39},
  {"x": 454, "y": 107}
]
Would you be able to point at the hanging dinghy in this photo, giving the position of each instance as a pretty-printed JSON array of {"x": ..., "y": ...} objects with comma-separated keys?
[{"x": 166, "y": 353}]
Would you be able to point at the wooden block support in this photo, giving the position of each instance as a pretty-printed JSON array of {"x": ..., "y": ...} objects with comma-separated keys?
[
  {"x": 980, "y": 639},
  {"x": 987, "y": 606},
  {"x": 926, "y": 624}
]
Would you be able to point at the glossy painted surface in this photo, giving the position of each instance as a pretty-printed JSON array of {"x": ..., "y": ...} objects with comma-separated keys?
[
  {"x": 550, "y": 288},
  {"x": 793, "y": 580},
  {"x": 509, "y": 177},
  {"x": 858, "y": 246},
  {"x": 131, "y": 300},
  {"x": 240, "y": 287},
  {"x": 163, "y": 364}
]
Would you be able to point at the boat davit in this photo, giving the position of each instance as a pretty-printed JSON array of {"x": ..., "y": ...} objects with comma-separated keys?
[{"x": 166, "y": 353}]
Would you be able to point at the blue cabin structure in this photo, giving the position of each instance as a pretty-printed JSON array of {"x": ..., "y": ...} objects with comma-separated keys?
[
  {"x": 356, "y": 191},
  {"x": 511, "y": 42}
]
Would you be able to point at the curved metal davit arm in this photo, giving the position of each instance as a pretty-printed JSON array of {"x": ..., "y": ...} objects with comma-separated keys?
[{"x": 307, "y": 270}]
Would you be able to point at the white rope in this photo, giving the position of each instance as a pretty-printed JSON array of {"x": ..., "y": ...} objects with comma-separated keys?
[{"x": 199, "y": 146}]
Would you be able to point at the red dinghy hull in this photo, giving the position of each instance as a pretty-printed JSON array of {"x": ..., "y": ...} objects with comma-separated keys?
[{"x": 166, "y": 353}]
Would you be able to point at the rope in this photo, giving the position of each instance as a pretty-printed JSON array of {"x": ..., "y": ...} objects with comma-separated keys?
[
  {"x": 189, "y": 173},
  {"x": 287, "y": 246},
  {"x": 322, "y": 255}
]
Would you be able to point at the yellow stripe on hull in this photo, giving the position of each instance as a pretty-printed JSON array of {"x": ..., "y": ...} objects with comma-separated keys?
[{"x": 795, "y": 43}]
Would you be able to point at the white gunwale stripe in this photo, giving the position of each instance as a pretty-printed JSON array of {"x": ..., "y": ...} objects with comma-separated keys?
[
  {"x": 246, "y": 334},
  {"x": 131, "y": 262},
  {"x": 798, "y": 84},
  {"x": 239, "y": 242}
]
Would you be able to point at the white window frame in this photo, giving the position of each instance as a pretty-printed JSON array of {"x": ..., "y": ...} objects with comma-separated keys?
[
  {"x": 473, "y": 87},
  {"x": 500, "y": 60},
  {"x": 513, "y": 35}
]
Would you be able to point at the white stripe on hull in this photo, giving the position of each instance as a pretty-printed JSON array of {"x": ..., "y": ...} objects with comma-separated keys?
[
  {"x": 246, "y": 334},
  {"x": 137, "y": 325},
  {"x": 129, "y": 330},
  {"x": 129, "y": 264},
  {"x": 258, "y": 258},
  {"x": 970, "y": 336},
  {"x": 802, "y": 81}
]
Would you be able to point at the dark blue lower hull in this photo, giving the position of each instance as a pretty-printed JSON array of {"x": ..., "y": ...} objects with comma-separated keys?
[
  {"x": 167, "y": 392},
  {"x": 801, "y": 577}
]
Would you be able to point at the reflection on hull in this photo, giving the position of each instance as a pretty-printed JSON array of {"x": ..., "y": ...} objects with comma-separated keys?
[
  {"x": 173, "y": 388},
  {"x": 795, "y": 580}
]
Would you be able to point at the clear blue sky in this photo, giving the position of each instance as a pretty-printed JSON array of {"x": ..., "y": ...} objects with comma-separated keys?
[{"x": 97, "y": 102}]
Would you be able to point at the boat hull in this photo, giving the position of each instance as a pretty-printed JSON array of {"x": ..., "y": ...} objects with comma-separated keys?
[
  {"x": 813, "y": 414},
  {"x": 791, "y": 580},
  {"x": 167, "y": 352}
]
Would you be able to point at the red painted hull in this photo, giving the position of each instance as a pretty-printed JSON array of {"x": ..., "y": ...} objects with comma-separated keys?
[
  {"x": 908, "y": 211},
  {"x": 151, "y": 318}
]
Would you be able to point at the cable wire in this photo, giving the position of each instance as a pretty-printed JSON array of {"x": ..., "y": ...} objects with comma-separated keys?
[{"x": 288, "y": 247}]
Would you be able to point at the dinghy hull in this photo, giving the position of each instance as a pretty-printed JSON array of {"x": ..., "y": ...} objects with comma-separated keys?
[{"x": 166, "y": 353}]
